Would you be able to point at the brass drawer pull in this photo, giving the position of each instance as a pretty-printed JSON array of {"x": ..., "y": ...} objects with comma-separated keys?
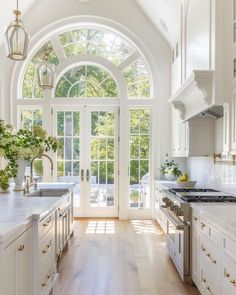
[
  {"x": 209, "y": 256},
  {"x": 233, "y": 282},
  {"x": 46, "y": 282},
  {"x": 209, "y": 290},
  {"x": 47, "y": 248},
  {"x": 203, "y": 248},
  {"x": 21, "y": 248},
  {"x": 195, "y": 218},
  {"x": 226, "y": 274},
  {"x": 203, "y": 225}
]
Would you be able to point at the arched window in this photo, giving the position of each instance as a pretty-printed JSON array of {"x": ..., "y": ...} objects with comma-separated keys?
[
  {"x": 100, "y": 108},
  {"x": 96, "y": 42},
  {"x": 86, "y": 81},
  {"x": 78, "y": 82}
]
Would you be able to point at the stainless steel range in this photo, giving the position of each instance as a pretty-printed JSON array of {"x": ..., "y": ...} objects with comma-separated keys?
[{"x": 176, "y": 207}]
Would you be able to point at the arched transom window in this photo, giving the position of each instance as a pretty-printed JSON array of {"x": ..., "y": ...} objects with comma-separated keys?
[
  {"x": 90, "y": 80},
  {"x": 86, "y": 81}
]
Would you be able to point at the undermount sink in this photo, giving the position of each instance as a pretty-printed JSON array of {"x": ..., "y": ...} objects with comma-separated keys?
[{"x": 49, "y": 192}]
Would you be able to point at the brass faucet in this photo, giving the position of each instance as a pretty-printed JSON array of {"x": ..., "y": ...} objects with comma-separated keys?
[
  {"x": 32, "y": 163},
  {"x": 28, "y": 185}
]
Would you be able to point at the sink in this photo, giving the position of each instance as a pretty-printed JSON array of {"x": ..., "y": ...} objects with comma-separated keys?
[{"x": 49, "y": 192}]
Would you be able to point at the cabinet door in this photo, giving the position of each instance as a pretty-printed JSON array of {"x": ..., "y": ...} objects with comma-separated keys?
[
  {"x": 179, "y": 135},
  {"x": 195, "y": 248},
  {"x": 18, "y": 263}
]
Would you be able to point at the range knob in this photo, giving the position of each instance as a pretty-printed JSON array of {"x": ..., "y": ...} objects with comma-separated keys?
[{"x": 175, "y": 209}]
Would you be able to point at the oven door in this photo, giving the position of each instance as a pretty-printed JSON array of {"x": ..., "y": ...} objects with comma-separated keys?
[{"x": 177, "y": 239}]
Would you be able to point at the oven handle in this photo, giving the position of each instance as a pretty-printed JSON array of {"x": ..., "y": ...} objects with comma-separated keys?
[{"x": 179, "y": 225}]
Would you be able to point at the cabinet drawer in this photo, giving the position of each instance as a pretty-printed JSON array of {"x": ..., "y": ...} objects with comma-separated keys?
[
  {"x": 229, "y": 246},
  {"x": 45, "y": 225},
  {"x": 211, "y": 232},
  {"x": 46, "y": 281},
  {"x": 228, "y": 275},
  {"x": 46, "y": 250},
  {"x": 210, "y": 257},
  {"x": 208, "y": 286}
]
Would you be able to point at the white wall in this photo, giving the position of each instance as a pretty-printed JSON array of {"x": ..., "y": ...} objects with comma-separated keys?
[{"x": 128, "y": 14}]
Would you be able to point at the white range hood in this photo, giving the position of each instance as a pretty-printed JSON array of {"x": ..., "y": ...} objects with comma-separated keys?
[{"x": 196, "y": 94}]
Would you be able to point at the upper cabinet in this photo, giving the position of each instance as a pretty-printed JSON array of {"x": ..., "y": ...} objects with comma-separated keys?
[
  {"x": 204, "y": 79},
  {"x": 201, "y": 75}
]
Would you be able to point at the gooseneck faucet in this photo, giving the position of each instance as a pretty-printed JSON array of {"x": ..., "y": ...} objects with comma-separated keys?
[{"x": 32, "y": 163}]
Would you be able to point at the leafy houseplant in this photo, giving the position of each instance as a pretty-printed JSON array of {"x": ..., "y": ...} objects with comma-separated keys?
[
  {"x": 170, "y": 169},
  {"x": 23, "y": 144}
]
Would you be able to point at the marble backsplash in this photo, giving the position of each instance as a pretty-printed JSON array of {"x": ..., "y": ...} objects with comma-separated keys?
[{"x": 207, "y": 174}]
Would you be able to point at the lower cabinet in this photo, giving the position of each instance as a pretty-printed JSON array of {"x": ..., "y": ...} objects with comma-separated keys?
[
  {"x": 213, "y": 258},
  {"x": 158, "y": 214},
  {"x": 16, "y": 266}
]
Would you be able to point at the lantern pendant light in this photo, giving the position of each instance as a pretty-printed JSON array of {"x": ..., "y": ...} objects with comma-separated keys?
[
  {"x": 16, "y": 38},
  {"x": 46, "y": 73}
]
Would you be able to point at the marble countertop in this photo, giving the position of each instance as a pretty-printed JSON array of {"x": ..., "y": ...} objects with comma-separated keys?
[
  {"x": 18, "y": 211},
  {"x": 221, "y": 214}
]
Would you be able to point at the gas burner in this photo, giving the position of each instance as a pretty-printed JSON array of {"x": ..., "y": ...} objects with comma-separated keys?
[
  {"x": 209, "y": 199},
  {"x": 191, "y": 190}
]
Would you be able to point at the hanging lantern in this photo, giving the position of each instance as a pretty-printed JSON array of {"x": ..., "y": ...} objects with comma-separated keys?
[
  {"x": 46, "y": 73},
  {"x": 16, "y": 38}
]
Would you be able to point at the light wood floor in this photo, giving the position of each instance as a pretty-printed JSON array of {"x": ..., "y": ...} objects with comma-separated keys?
[{"x": 111, "y": 257}]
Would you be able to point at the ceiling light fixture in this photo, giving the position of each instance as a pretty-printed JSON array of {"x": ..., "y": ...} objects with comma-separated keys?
[
  {"x": 16, "y": 38},
  {"x": 46, "y": 72}
]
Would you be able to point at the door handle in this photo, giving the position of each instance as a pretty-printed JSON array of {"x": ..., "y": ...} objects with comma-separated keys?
[
  {"x": 87, "y": 175},
  {"x": 82, "y": 175}
]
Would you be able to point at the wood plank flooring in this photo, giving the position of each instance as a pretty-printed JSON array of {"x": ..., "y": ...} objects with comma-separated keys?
[{"x": 111, "y": 257}]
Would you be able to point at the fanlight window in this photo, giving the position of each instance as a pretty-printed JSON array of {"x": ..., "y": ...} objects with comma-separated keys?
[
  {"x": 138, "y": 81},
  {"x": 96, "y": 42},
  {"x": 90, "y": 81},
  {"x": 31, "y": 87},
  {"x": 86, "y": 81}
]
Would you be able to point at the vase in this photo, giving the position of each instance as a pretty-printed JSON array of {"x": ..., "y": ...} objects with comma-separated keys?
[
  {"x": 19, "y": 179},
  {"x": 170, "y": 177}
]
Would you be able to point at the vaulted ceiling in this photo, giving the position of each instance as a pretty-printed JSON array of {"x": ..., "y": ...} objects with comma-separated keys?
[{"x": 163, "y": 13}]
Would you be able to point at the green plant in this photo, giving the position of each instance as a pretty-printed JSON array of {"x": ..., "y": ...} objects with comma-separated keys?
[
  {"x": 170, "y": 167},
  {"x": 22, "y": 144}
]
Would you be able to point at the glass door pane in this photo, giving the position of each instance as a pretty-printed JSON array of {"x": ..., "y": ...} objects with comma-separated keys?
[
  {"x": 68, "y": 158},
  {"x": 139, "y": 189},
  {"x": 102, "y": 156}
]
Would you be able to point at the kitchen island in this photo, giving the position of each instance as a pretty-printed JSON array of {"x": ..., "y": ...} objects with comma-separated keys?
[{"x": 34, "y": 230}]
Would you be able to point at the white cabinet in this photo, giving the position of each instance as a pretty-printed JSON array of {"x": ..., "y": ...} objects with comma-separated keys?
[
  {"x": 195, "y": 248},
  {"x": 213, "y": 257},
  {"x": 16, "y": 266},
  {"x": 226, "y": 129},
  {"x": 179, "y": 135},
  {"x": 159, "y": 216}
]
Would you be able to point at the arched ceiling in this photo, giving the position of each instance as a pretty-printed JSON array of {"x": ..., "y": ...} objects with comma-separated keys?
[{"x": 165, "y": 15}]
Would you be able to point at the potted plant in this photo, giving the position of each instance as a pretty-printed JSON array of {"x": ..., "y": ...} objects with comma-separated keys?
[
  {"x": 170, "y": 170},
  {"x": 18, "y": 146}
]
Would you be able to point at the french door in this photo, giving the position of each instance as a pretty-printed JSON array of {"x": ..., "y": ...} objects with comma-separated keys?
[{"x": 89, "y": 157}]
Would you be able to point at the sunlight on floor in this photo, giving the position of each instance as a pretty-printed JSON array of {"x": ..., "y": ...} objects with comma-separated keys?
[
  {"x": 145, "y": 227},
  {"x": 101, "y": 227}
]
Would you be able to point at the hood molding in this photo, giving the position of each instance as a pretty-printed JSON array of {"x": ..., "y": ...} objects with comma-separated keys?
[{"x": 195, "y": 95}]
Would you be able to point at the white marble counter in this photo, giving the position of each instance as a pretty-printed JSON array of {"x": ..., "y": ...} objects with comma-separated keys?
[
  {"x": 18, "y": 211},
  {"x": 223, "y": 215}
]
